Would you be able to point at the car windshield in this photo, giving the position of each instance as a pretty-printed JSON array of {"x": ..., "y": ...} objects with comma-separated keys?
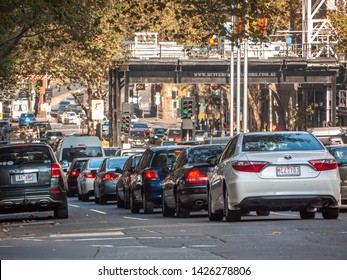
[
  {"x": 140, "y": 125},
  {"x": 70, "y": 154},
  {"x": 55, "y": 133},
  {"x": 137, "y": 133},
  {"x": 280, "y": 142},
  {"x": 159, "y": 130},
  {"x": 175, "y": 132}
]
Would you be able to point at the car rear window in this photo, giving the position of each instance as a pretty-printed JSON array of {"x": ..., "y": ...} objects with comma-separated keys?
[
  {"x": 137, "y": 133},
  {"x": 280, "y": 142},
  {"x": 200, "y": 154},
  {"x": 175, "y": 132},
  {"x": 114, "y": 163},
  {"x": 70, "y": 154},
  {"x": 165, "y": 158},
  {"x": 19, "y": 154}
]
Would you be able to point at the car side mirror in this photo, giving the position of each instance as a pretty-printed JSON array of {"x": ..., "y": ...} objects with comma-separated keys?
[
  {"x": 131, "y": 169},
  {"x": 165, "y": 169}
]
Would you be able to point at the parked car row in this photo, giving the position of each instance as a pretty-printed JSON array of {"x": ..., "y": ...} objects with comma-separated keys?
[{"x": 260, "y": 172}]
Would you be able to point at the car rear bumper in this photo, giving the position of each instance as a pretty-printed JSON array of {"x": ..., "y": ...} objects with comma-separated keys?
[
  {"x": 287, "y": 203},
  {"x": 30, "y": 204},
  {"x": 194, "y": 198}
]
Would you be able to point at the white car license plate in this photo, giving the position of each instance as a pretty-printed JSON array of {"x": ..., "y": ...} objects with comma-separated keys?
[
  {"x": 26, "y": 178},
  {"x": 288, "y": 170}
]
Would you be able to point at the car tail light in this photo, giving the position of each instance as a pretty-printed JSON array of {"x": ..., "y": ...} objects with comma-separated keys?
[
  {"x": 110, "y": 176},
  {"x": 151, "y": 174},
  {"x": 194, "y": 176},
  {"x": 55, "y": 170},
  {"x": 89, "y": 175},
  {"x": 324, "y": 164},
  {"x": 249, "y": 166},
  {"x": 75, "y": 173}
]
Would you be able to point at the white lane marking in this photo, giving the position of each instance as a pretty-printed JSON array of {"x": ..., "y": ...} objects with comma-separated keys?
[
  {"x": 108, "y": 233},
  {"x": 94, "y": 239},
  {"x": 132, "y": 218},
  {"x": 202, "y": 246},
  {"x": 73, "y": 205},
  {"x": 97, "y": 211}
]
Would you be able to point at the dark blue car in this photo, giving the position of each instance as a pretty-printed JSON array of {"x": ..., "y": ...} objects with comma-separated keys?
[{"x": 145, "y": 187}]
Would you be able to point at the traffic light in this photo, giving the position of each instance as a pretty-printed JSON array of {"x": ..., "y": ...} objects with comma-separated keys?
[
  {"x": 126, "y": 122},
  {"x": 47, "y": 97},
  {"x": 188, "y": 107}
]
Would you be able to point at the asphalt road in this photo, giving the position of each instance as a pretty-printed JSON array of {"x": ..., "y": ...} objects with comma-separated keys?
[{"x": 104, "y": 232}]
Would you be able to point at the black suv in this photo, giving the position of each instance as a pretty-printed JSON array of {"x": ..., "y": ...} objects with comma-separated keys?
[{"x": 31, "y": 180}]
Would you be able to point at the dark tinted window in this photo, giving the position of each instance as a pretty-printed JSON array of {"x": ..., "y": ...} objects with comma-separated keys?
[
  {"x": 174, "y": 132},
  {"x": 70, "y": 154},
  {"x": 137, "y": 133},
  {"x": 201, "y": 153},
  {"x": 159, "y": 130},
  {"x": 20, "y": 154}
]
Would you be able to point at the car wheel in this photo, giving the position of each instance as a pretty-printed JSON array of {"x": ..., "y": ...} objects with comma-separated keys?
[
  {"x": 120, "y": 202},
  {"x": 103, "y": 200},
  {"x": 79, "y": 197},
  {"x": 133, "y": 206},
  {"x": 85, "y": 197},
  {"x": 305, "y": 215},
  {"x": 231, "y": 215},
  {"x": 147, "y": 205},
  {"x": 213, "y": 217},
  {"x": 330, "y": 213},
  {"x": 61, "y": 212},
  {"x": 181, "y": 212},
  {"x": 126, "y": 200},
  {"x": 167, "y": 212},
  {"x": 262, "y": 213}
]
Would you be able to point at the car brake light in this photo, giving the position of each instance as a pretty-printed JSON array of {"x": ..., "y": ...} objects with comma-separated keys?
[
  {"x": 151, "y": 174},
  {"x": 195, "y": 176},
  {"x": 324, "y": 164},
  {"x": 55, "y": 170},
  {"x": 249, "y": 166},
  {"x": 89, "y": 175},
  {"x": 75, "y": 173},
  {"x": 110, "y": 176}
]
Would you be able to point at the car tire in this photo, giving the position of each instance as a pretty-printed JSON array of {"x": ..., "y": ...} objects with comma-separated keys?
[
  {"x": 213, "y": 217},
  {"x": 262, "y": 213},
  {"x": 147, "y": 205},
  {"x": 120, "y": 202},
  {"x": 103, "y": 200},
  {"x": 181, "y": 211},
  {"x": 305, "y": 215},
  {"x": 167, "y": 212},
  {"x": 61, "y": 212},
  {"x": 231, "y": 215},
  {"x": 85, "y": 197},
  {"x": 134, "y": 208},
  {"x": 79, "y": 197},
  {"x": 330, "y": 213},
  {"x": 126, "y": 200}
]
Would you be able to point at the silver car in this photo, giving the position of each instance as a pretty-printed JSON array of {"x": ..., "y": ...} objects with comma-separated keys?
[
  {"x": 340, "y": 153},
  {"x": 274, "y": 171}
]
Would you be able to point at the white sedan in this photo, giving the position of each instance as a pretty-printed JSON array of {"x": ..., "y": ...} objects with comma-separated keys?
[{"x": 274, "y": 171}]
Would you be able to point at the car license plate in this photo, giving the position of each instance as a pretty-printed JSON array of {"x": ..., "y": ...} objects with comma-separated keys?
[
  {"x": 26, "y": 178},
  {"x": 288, "y": 170}
]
